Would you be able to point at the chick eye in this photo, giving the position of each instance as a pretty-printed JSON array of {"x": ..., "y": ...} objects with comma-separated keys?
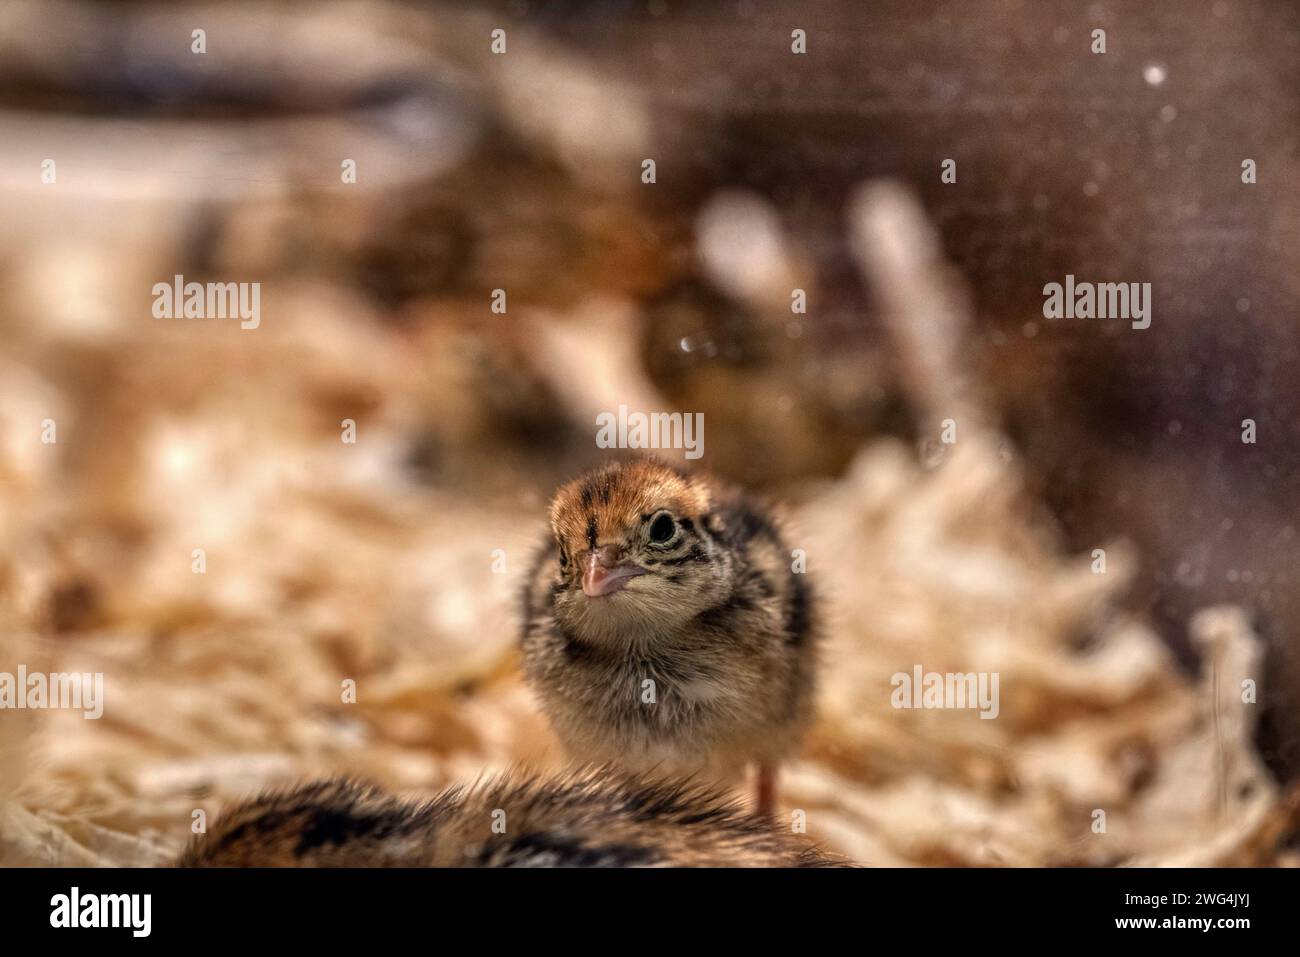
[{"x": 662, "y": 528}]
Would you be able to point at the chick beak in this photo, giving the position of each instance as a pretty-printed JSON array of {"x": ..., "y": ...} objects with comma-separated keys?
[{"x": 603, "y": 574}]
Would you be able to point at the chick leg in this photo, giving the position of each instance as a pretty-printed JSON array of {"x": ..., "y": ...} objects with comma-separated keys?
[{"x": 766, "y": 790}]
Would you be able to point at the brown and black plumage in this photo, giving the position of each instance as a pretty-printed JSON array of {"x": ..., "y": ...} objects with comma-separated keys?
[
  {"x": 665, "y": 630},
  {"x": 588, "y": 818}
]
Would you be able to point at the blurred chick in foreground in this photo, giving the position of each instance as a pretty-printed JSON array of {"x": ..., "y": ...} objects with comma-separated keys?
[
  {"x": 588, "y": 818},
  {"x": 665, "y": 630}
]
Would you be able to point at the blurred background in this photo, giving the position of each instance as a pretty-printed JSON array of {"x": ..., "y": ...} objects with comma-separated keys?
[{"x": 395, "y": 561}]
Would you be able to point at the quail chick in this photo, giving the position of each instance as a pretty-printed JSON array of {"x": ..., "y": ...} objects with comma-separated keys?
[
  {"x": 665, "y": 630},
  {"x": 591, "y": 817}
]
